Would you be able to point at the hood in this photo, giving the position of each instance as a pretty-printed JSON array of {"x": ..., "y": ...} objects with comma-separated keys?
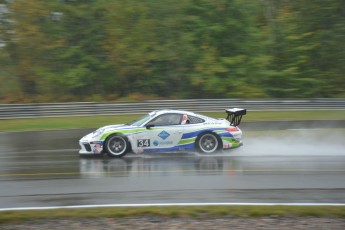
[{"x": 109, "y": 128}]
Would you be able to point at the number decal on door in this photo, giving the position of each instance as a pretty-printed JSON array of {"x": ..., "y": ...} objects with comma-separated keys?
[{"x": 143, "y": 142}]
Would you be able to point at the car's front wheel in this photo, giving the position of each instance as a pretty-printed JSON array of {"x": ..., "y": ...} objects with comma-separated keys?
[
  {"x": 116, "y": 145},
  {"x": 207, "y": 143}
]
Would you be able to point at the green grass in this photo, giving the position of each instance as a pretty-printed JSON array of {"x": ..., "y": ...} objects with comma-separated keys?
[
  {"x": 176, "y": 211},
  {"x": 97, "y": 121}
]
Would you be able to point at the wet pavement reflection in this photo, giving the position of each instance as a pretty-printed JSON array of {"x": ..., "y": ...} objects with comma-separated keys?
[
  {"x": 54, "y": 154},
  {"x": 304, "y": 165}
]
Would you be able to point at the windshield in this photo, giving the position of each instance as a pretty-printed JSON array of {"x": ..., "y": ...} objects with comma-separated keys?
[{"x": 140, "y": 121}]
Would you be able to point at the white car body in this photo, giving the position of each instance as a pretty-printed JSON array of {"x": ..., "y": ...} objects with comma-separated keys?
[{"x": 165, "y": 131}]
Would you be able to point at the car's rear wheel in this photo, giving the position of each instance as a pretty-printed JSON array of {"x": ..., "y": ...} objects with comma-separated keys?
[
  {"x": 207, "y": 143},
  {"x": 116, "y": 145}
]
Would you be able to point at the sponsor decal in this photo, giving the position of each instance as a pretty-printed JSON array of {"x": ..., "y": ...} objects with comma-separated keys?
[
  {"x": 96, "y": 151},
  {"x": 96, "y": 142},
  {"x": 164, "y": 134},
  {"x": 212, "y": 123},
  {"x": 99, "y": 146},
  {"x": 156, "y": 143},
  {"x": 226, "y": 146}
]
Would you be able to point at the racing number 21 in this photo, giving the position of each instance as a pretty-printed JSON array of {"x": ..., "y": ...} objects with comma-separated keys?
[{"x": 143, "y": 142}]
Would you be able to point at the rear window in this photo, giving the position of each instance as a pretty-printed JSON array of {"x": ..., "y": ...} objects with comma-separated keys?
[{"x": 195, "y": 120}]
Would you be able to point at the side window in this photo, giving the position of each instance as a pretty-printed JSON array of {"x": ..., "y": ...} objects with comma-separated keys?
[
  {"x": 195, "y": 120},
  {"x": 166, "y": 119}
]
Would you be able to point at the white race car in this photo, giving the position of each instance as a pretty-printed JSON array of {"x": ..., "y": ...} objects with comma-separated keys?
[{"x": 167, "y": 131}]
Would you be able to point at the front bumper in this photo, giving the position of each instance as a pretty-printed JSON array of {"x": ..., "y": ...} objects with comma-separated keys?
[
  {"x": 95, "y": 147},
  {"x": 89, "y": 146}
]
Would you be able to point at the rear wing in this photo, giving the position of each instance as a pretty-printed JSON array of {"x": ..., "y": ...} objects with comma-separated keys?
[{"x": 235, "y": 115}]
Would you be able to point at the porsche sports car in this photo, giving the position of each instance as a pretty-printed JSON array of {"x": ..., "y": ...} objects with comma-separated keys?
[{"x": 167, "y": 131}]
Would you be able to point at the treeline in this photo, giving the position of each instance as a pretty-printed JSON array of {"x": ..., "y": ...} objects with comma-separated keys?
[{"x": 61, "y": 50}]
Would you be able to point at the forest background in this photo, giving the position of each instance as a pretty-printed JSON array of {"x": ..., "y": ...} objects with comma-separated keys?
[{"x": 107, "y": 50}]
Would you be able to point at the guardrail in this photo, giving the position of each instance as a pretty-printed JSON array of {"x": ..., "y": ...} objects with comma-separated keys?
[{"x": 12, "y": 111}]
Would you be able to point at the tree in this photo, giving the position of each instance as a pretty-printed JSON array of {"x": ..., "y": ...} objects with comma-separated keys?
[
  {"x": 224, "y": 36},
  {"x": 22, "y": 34},
  {"x": 305, "y": 37},
  {"x": 79, "y": 50}
]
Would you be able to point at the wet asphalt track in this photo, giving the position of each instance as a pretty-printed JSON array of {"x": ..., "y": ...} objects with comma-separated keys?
[{"x": 298, "y": 166}]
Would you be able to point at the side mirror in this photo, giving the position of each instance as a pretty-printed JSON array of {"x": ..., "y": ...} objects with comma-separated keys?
[{"x": 149, "y": 126}]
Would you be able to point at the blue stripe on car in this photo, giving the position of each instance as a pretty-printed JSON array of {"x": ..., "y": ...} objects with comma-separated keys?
[
  {"x": 196, "y": 133},
  {"x": 187, "y": 147}
]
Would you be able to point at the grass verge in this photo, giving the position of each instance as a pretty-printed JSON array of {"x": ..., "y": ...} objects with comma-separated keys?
[
  {"x": 98, "y": 121},
  {"x": 175, "y": 211}
]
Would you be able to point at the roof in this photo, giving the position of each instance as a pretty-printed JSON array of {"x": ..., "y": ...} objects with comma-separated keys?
[{"x": 163, "y": 111}]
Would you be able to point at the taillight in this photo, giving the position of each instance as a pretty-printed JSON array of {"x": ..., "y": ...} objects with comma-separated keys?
[{"x": 232, "y": 129}]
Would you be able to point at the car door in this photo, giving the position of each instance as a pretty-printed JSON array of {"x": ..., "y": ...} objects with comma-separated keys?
[{"x": 163, "y": 133}]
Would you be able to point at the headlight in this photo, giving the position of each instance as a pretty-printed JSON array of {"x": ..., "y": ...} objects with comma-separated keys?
[{"x": 98, "y": 132}]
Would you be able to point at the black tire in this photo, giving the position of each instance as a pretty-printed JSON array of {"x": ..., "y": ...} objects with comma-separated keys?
[
  {"x": 116, "y": 145},
  {"x": 208, "y": 143}
]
